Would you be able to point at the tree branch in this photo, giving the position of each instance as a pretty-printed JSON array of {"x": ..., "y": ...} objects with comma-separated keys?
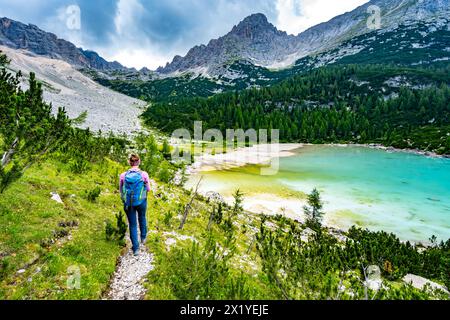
[
  {"x": 7, "y": 156},
  {"x": 189, "y": 205}
]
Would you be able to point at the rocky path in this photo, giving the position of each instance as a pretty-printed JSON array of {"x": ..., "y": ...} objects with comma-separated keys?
[{"x": 130, "y": 273}]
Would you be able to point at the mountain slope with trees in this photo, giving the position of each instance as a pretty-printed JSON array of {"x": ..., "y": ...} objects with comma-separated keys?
[
  {"x": 353, "y": 103},
  {"x": 258, "y": 42},
  {"x": 419, "y": 46},
  {"x": 255, "y": 54}
]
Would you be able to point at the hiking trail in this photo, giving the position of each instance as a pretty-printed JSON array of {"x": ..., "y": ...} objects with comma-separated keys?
[{"x": 127, "y": 281}]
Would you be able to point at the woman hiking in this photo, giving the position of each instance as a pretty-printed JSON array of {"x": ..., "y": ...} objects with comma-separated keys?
[{"x": 134, "y": 187}]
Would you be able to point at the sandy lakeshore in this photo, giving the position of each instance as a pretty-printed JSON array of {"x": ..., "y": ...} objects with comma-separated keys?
[
  {"x": 270, "y": 204},
  {"x": 261, "y": 154}
]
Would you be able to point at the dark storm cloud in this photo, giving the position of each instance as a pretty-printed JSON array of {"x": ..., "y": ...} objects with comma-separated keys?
[
  {"x": 97, "y": 18},
  {"x": 151, "y": 32},
  {"x": 165, "y": 27}
]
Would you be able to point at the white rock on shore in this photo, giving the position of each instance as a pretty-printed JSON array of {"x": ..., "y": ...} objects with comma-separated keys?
[{"x": 421, "y": 283}]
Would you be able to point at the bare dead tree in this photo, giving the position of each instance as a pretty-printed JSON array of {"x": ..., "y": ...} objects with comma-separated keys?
[
  {"x": 188, "y": 207},
  {"x": 340, "y": 290},
  {"x": 366, "y": 294},
  {"x": 281, "y": 287},
  {"x": 251, "y": 245},
  {"x": 211, "y": 217}
]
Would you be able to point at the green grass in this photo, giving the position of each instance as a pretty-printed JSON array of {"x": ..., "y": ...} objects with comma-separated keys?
[
  {"x": 30, "y": 224},
  {"x": 29, "y": 219},
  {"x": 171, "y": 201}
]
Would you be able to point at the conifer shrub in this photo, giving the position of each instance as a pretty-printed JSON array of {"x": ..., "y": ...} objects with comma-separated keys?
[
  {"x": 78, "y": 165},
  {"x": 94, "y": 194},
  {"x": 200, "y": 272},
  {"x": 319, "y": 267},
  {"x": 116, "y": 232}
]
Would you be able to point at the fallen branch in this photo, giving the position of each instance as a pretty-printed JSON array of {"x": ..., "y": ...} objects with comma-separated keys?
[{"x": 7, "y": 156}]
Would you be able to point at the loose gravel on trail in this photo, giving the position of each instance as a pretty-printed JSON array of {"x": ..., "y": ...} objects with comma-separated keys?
[{"x": 127, "y": 283}]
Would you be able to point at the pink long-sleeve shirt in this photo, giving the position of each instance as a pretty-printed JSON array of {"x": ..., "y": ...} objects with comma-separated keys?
[{"x": 145, "y": 177}]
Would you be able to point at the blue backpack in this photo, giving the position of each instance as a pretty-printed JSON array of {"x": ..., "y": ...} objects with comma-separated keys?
[{"x": 134, "y": 191}]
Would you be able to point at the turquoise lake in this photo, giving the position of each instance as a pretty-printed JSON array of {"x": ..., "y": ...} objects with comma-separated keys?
[{"x": 397, "y": 192}]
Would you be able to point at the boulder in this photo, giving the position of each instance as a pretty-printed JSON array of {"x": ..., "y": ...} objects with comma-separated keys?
[
  {"x": 420, "y": 283},
  {"x": 214, "y": 197},
  {"x": 373, "y": 281},
  {"x": 56, "y": 197},
  {"x": 307, "y": 234}
]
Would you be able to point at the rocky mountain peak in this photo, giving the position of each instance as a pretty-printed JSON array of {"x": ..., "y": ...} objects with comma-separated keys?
[
  {"x": 254, "y": 39},
  {"x": 19, "y": 36},
  {"x": 259, "y": 42},
  {"x": 254, "y": 26},
  {"x": 256, "y": 19},
  {"x": 256, "y": 23}
]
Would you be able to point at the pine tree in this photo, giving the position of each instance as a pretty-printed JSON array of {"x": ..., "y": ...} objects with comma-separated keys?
[
  {"x": 28, "y": 129},
  {"x": 238, "y": 200},
  {"x": 313, "y": 210},
  {"x": 166, "y": 150}
]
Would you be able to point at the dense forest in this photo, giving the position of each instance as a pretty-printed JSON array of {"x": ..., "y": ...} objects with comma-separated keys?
[
  {"x": 417, "y": 49},
  {"x": 393, "y": 106}
]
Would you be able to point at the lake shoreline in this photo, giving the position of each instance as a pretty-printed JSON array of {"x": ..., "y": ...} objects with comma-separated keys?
[
  {"x": 418, "y": 152},
  {"x": 291, "y": 208},
  {"x": 250, "y": 155},
  {"x": 272, "y": 203},
  {"x": 261, "y": 154}
]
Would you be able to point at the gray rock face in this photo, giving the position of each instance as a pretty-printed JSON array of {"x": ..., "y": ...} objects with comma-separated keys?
[
  {"x": 98, "y": 63},
  {"x": 254, "y": 39},
  {"x": 64, "y": 86},
  {"x": 17, "y": 35},
  {"x": 259, "y": 42}
]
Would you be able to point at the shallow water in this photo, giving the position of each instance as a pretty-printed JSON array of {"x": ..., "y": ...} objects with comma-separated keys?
[{"x": 397, "y": 192}]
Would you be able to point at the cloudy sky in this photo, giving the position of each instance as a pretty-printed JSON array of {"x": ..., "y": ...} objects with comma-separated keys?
[{"x": 150, "y": 33}]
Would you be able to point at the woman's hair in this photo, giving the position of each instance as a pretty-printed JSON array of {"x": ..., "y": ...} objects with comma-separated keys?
[{"x": 134, "y": 160}]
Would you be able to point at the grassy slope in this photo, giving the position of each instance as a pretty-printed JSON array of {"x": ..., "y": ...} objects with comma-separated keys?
[
  {"x": 246, "y": 260},
  {"x": 180, "y": 276},
  {"x": 174, "y": 279},
  {"x": 29, "y": 220}
]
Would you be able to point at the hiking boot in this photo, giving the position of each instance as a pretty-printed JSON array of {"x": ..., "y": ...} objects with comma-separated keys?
[
  {"x": 136, "y": 253},
  {"x": 143, "y": 241}
]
